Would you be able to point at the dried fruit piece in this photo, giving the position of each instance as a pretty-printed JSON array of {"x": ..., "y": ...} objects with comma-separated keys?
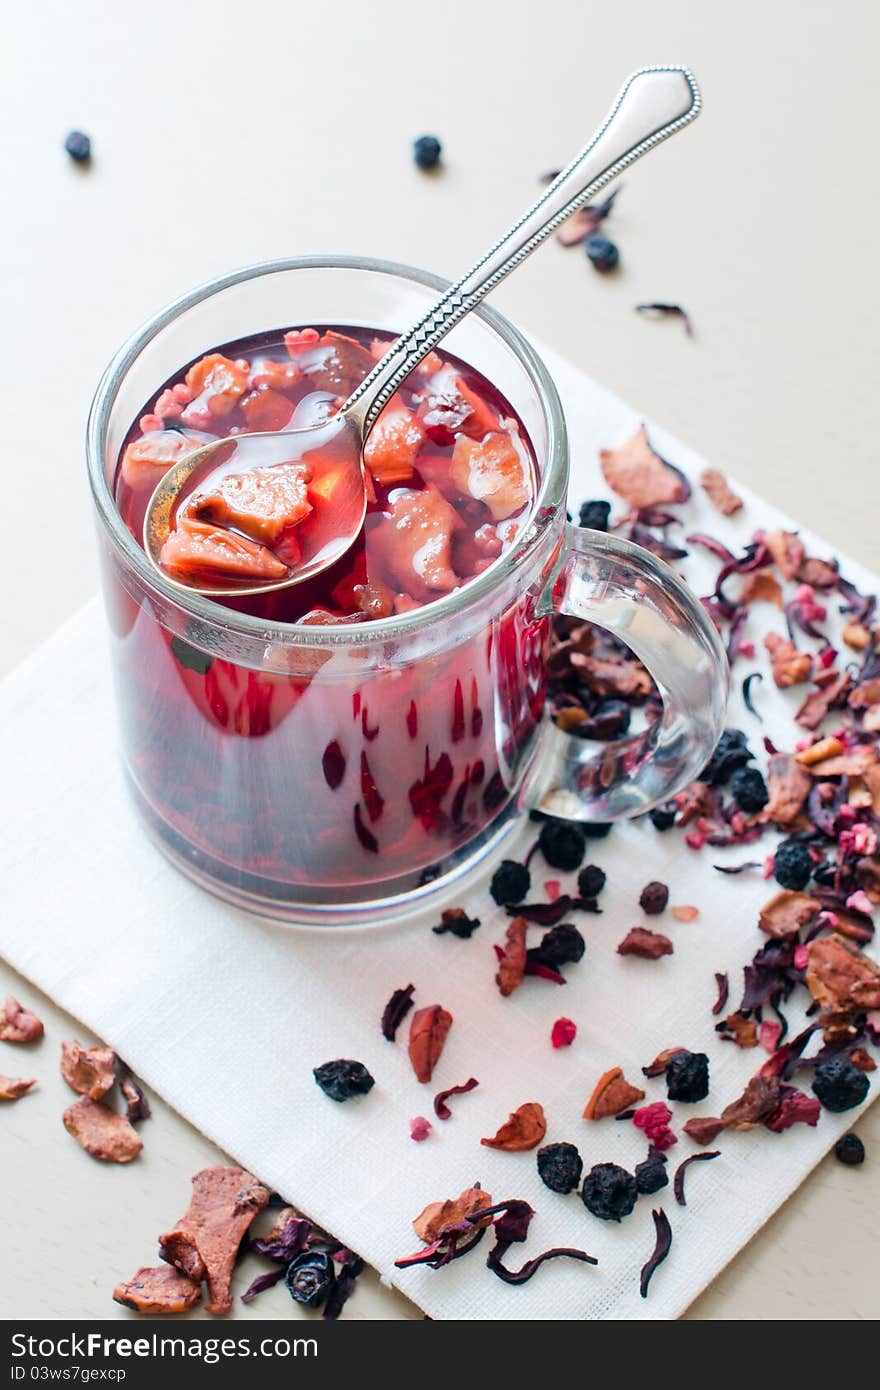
[
  {"x": 205, "y": 1242},
  {"x": 393, "y": 443},
  {"x": 420, "y": 1129},
  {"x": 839, "y": 1085},
  {"x": 819, "y": 704},
  {"x": 14, "y": 1087},
  {"x": 196, "y": 547},
  {"x": 653, "y": 898},
  {"x": 678, "y": 1180},
  {"x": 654, "y": 1121},
  {"x": 512, "y": 962},
  {"x": 217, "y": 384},
  {"x": 524, "y": 1129},
  {"x": 510, "y": 884},
  {"x": 428, "y": 1031},
  {"x": 787, "y": 550},
  {"x": 441, "y": 1109},
  {"x": 612, "y": 1094},
  {"x": 660, "y": 1062},
  {"x": 91, "y": 1071},
  {"x": 761, "y": 587},
  {"x": 102, "y": 1132},
  {"x": 738, "y": 1028},
  {"x": 785, "y": 914},
  {"x": 456, "y": 921},
  {"x": 562, "y": 843},
  {"x": 649, "y": 945},
  {"x": 395, "y": 1011},
  {"x": 640, "y": 476},
  {"x": 687, "y": 1076},
  {"x": 685, "y": 913},
  {"x": 609, "y": 1192},
  {"x": 412, "y": 543},
  {"x": 850, "y": 1150},
  {"x": 492, "y": 471},
  {"x": 789, "y": 786},
  {"x": 262, "y": 503},
  {"x": 560, "y": 1167},
  {"x": 789, "y": 665},
  {"x": 795, "y": 1107},
  {"x": 18, "y": 1024},
  {"x": 147, "y": 458},
  {"x": 662, "y": 1246},
  {"x": 793, "y": 865},
  {"x": 840, "y": 977},
  {"x": 158, "y": 1290},
  {"x": 343, "y": 1078},
  {"x": 651, "y": 1174},
  {"x": 310, "y": 1277},
  {"x": 563, "y": 1032},
  {"x": 435, "y": 1217},
  {"x": 720, "y": 493}
]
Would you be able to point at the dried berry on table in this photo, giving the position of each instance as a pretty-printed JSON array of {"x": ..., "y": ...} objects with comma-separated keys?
[
  {"x": 748, "y": 789},
  {"x": 731, "y": 751},
  {"x": 662, "y": 1246},
  {"x": 602, "y": 252},
  {"x": 343, "y": 1078},
  {"x": 158, "y": 1290},
  {"x": 90, "y": 1071},
  {"x": 839, "y": 1085},
  {"x": 663, "y": 817},
  {"x": 593, "y": 515},
  {"x": 396, "y": 1010},
  {"x": 563, "y": 1032},
  {"x": 18, "y": 1024},
  {"x": 441, "y": 1109},
  {"x": 612, "y": 1094},
  {"x": 78, "y": 145},
  {"x": 850, "y": 1150},
  {"x": 513, "y": 957},
  {"x": 591, "y": 880},
  {"x": 687, "y": 1076},
  {"x": 427, "y": 150},
  {"x": 793, "y": 865},
  {"x": 428, "y": 1031},
  {"x": 651, "y": 1174},
  {"x": 524, "y": 1129},
  {"x": 14, "y": 1087},
  {"x": 205, "y": 1242},
  {"x": 510, "y": 884},
  {"x": 560, "y": 1167},
  {"x": 562, "y": 843},
  {"x": 649, "y": 945},
  {"x": 310, "y": 1278},
  {"x": 719, "y": 491},
  {"x": 102, "y": 1132},
  {"x": 653, "y": 898},
  {"x": 609, "y": 1192},
  {"x": 456, "y": 922},
  {"x": 561, "y": 945}
]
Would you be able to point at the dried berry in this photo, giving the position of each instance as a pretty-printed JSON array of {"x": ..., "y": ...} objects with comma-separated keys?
[
  {"x": 560, "y": 1167},
  {"x": 78, "y": 146},
  {"x": 563, "y": 1032},
  {"x": 456, "y": 921},
  {"x": 650, "y": 945},
  {"x": 749, "y": 789},
  {"x": 663, "y": 817},
  {"x": 523, "y": 1129},
  {"x": 596, "y": 829},
  {"x": 602, "y": 252},
  {"x": 731, "y": 752},
  {"x": 609, "y": 1192},
  {"x": 594, "y": 515},
  {"x": 342, "y": 1079},
  {"x": 562, "y": 843},
  {"x": 428, "y": 1031},
  {"x": 562, "y": 945},
  {"x": 850, "y": 1150},
  {"x": 310, "y": 1278},
  {"x": 426, "y": 151},
  {"x": 591, "y": 881},
  {"x": 653, "y": 898},
  {"x": 687, "y": 1076},
  {"x": 792, "y": 865},
  {"x": 839, "y": 1085},
  {"x": 510, "y": 884},
  {"x": 651, "y": 1174}
]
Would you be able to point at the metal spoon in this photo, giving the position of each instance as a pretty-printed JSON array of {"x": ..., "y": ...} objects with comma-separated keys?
[{"x": 653, "y": 104}]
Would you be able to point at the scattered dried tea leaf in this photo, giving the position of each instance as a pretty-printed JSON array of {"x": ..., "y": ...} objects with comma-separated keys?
[
  {"x": 441, "y": 1109},
  {"x": 611, "y": 1095},
  {"x": 396, "y": 1010},
  {"x": 685, "y": 913},
  {"x": 757, "y": 1102},
  {"x": 456, "y": 922},
  {"x": 512, "y": 962},
  {"x": 14, "y": 1087},
  {"x": 613, "y": 676},
  {"x": 658, "y": 1066},
  {"x": 102, "y": 1132},
  {"x": 704, "y": 1129},
  {"x": 789, "y": 786},
  {"x": 840, "y": 977},
  {"x": 678, "y": 1180},
  {"x": 649, "y": 945},
  {"x": 859, "y": 762},
  {"x": 18, "y": 1024},
  {"x": 723, "y": 984},
  {"x": 524, "y": 1129},
  {"x": 761, "y": 586},
  {"x": 662, "y": 1246},
  {"x": 90, "y": 1071},
  {"x": 435, "y": 1217},
  {"x": 161, "y": 1290},
  {"x": 818, "y": 705},
  {"x": 787, "y": 550},
  {"x": 205, "y": 1242},
  {"x": 738, "y": 1028},
  {"x": 789, "y": 666},
  {"x": 428, "y": 1031},
  {"x": 787, "y": 912},
  {"x": 640, "y": 476}
]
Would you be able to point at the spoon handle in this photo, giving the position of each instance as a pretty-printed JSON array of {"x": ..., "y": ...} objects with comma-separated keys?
[{"x": 653, "y": 104}]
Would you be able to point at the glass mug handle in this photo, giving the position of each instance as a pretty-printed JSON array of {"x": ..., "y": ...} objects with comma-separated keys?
[{"x": 639, "y": 599}]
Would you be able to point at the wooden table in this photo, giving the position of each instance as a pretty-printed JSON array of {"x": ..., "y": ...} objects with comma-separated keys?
[{"x": 761, "y": 220}]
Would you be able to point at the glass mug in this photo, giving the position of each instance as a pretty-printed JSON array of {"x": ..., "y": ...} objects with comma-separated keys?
[{"x": 348, "y": 774}]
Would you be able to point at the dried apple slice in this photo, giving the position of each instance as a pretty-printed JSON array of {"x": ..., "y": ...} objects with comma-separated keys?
[
  {"x": 412, "y": 543},
  {"x": 198, "y": 548},
  {"x": 262, "y": 502},
  {"x": 492, "y": 471},
  {"x": 395, "y": 440}
]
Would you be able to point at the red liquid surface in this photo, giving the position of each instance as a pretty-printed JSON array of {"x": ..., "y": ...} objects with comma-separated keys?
[{"x": 331, "y": 777}]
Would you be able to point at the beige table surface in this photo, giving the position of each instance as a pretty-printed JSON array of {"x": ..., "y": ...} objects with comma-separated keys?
[{"x": 298, "y": 117}]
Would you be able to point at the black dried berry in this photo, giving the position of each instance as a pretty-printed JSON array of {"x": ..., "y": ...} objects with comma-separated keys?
[
  {"x": 653, "y": 898},
  {"x": 602, "y": 252},
  {"x": 731, "y": 751},
  {"x": 560, "y": 1167},
  {"x": 310, "y": 1277},
  {"x": 562, "y": 843},
  {"x": 510, "y": 883},
  {"x": 78, "y": 146},
  {"x": 663, "y": 817},
  {"x": 651, "y": 1175},
  {"x": 342, "y": 1079},
  {"x": 839, "y": 1085},
  {"x": 749, "y": 789},
  {"x": 562, "y": 945},
  {"x": 591, "y": 881},
  {"x": 792, "y": 865},
  {"x": 596, "y": 829},
  {"x": 426, "y": 151},
  {"x": 687, "y": 1076},
  {"x": 594, "y": 515},
  {"x": 850, "y": 1150},
  {"x": 609, "y": 1192}
]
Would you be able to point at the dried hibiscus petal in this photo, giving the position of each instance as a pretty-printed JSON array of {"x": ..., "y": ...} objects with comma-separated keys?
[
  {"x": 795, "y": 1107},
  {"x": 18, "y": 1024},
  {"x": 205, "y": 1242},
  {"x": 662, "y": 1246},
  {"x": 91, "y": 1071},
  {"x": 723, "y": 984},
  {"x": 102, "y": 1132},
  {"x": 428, "y": 1031},
  {"x": 611, "y": 1095},
  {"x": 158, "y": 1290},
  {"x": 719, "y": 491},
  {"x": 14, "y": 1087},
  {"x": 396, "y": 1010},
  {"x": 678, "y": 1180},
  {"x": 524, "y": 1129},
  {"x": 640, "y": 476},
  {"x": 524, "y": 1274},
  {"x": 512, "y": 962},
  {"x": 441, "y": 1109},
  {"x": 649, "y": 945}
]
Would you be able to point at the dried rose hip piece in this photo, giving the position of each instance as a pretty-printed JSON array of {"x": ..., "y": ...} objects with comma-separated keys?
[
  {"x": 609, "y": 1192},
  {"x": 343, "y": 1078},
  {"x": 14, "y": 1087},
  {"x": 649, "y": 945},
  {"x": 513, "y": 958},
  {"x": 524, "y": 1129},
  {"x": 102, "y": 1132},
  {"x": 612, "y": 1094},
  {"x": 205, "y": 1242},
  {"x": 428, "y": 1031},
  {"x": 18, "y": 1024},
  {"x": 158, "y": 1290},
  {"x": 560, "y": 1167},
  {"x": 89, "y": 1070}
]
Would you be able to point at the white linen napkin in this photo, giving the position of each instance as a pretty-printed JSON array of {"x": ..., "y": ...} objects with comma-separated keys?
[{"x": 225, "y": 1015}]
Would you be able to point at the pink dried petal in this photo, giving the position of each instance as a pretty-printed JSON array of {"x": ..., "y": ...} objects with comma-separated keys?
[
  {"x": 769, "y": 1034},
  {"x": 860, "y": 902},
  {"x": 563, "y": 1032},
  {"x": 420, "y": 1128},
  {"x": 801, "y": 958},
  {"x": 747, "y": 649},
  {"x": 552, "y": 888}
]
